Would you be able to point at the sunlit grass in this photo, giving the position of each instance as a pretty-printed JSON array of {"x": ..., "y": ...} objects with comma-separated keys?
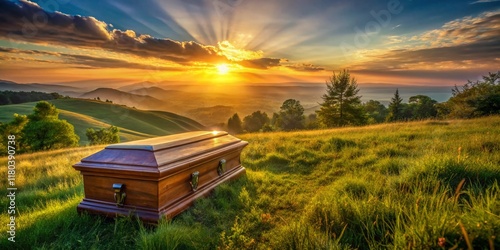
[
  {"x": 134, "y": 124},
  {"x": 399, "y": 186}
]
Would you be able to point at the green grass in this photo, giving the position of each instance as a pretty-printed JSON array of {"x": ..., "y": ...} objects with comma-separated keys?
[
  {"x": 396, "y": 186},
  {"x": 134, "y": 124}
]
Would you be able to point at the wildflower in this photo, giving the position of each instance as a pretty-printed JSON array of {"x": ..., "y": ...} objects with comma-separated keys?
[
  {"x": 442, "y": 241},
  {"x": 265, "y": 217}
]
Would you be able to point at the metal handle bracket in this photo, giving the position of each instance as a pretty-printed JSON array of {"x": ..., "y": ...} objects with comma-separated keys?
[{"x": 120, "y": 194}]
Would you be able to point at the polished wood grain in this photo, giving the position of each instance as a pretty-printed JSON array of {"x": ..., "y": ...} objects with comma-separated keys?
[{"x": 157, "y": 172}]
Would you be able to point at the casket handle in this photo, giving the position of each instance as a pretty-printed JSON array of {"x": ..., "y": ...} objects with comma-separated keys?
[
  {"x": 120, "y": 195},
  {"x": 194, "y": 180},
  {"x": 222, "y": 167}
]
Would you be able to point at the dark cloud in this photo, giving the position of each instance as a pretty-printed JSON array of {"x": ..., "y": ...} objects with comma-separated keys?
[
  {"x": 484, "y": 51},
  {"x": 305, "y": 67},
  {"x": 30, "y": 52},
  {"x": 261, "y": 63},
  {"x": 26, "y": 21},
  {"x": 6, "y": 50},
  {"x": 97, "y": 62},
  {"x": 83, "y": 61},
  {"x": 148, "y": 46}
]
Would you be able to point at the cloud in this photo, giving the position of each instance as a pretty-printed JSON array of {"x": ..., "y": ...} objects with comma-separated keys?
[
  {"x": 26, "y": 21},
  {"x": 6, "y": 50},
  {"x": 261, "y": 63},
  {"x": 466, "y": 43},
  {"x": 79, "y": 61},
  {"x": 484, "y": 1},
  {"x": 461, "y": 49},
  {"x": 307, "y": 67},
  {"x": 465, "y": 30},
  {"x": 98, "y": 62},
  {"x": 148, "y": 46}
]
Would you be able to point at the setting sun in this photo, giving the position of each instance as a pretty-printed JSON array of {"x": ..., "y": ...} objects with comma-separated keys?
[{"x": 222, "y": 69}]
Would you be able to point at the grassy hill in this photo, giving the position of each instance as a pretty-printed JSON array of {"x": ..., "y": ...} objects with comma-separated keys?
[
  {"x": 125, "y": 98},
  {"x": 414, "y": 185},
  {"x": 134, "y": 124}
]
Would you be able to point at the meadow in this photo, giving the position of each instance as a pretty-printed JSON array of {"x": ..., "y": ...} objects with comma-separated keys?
[
  {"x": 134, "y": 124},
  {"x": 416, "y": 185}
]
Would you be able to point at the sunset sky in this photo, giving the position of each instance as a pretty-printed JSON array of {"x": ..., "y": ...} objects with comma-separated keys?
[{"x": 248, "y": 41}]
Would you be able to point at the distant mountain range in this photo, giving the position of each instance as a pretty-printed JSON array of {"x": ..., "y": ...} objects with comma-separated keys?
[
  {"x": 49, "y": 88},
  {"x": 125, "y": 98},
  {"x": 212, "y": 105}
]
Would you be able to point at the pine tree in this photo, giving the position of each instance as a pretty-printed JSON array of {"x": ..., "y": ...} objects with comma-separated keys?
[
  {"x": 341, "y": 104},
  {"x": 395, "y": 108},
  {"x": 234, "y": 124}
]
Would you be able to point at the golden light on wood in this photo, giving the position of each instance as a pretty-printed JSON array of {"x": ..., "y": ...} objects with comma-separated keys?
[{"x": 222, "y": 69}]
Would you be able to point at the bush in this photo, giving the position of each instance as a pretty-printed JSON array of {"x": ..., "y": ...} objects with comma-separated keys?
[{"x": 103, "y": 135}]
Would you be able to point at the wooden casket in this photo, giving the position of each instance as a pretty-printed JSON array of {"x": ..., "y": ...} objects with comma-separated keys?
[{"x": 160, "y": 176}]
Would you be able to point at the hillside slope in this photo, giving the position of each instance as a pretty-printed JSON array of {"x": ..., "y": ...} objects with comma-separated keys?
[
  {"x": 48, "y": 88},
  {"x": 418, "y": 185},
  {"x": 134, "y": 124},
  {"x": 128, "y": 99}
]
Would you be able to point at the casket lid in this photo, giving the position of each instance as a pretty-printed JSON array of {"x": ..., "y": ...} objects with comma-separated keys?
[
  {"x": 169, "y": 141},
  {"x": 152, "y": 154}
]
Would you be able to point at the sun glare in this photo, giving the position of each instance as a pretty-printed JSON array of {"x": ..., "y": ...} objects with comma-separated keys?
[{"x": 222, "y": 69}]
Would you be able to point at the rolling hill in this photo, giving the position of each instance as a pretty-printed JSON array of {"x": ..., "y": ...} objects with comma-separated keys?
[
  {"x": 134, "y": 124},
  {"x": 414, "y": 185},
  {"x": 125, "y": 98}
]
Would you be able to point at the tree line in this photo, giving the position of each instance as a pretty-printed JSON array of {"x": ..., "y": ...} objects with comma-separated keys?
[
  {"x": 13, "y": 97},
  {"x": 342, "y": 106},
  {"x": 43, "y": 130}
]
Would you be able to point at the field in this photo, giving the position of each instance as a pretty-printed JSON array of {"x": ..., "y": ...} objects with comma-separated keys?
[
  {"x": 418, "y": 185},
  {"x": 134, "y": 124}
]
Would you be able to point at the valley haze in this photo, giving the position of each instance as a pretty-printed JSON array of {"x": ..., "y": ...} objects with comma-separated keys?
[{"x": 215, "y": 105}]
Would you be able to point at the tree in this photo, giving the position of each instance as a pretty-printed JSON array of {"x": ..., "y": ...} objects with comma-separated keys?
[
  {"x": 44, "y": 111},
  {"x": 14, "y": 128},
  {"x": 255, "y": 122},
  {"x": 45, "y": 131},
  {"x": 475, "y": 98},
  {"x": 312, "y": 121},
  {"x": 275, "y": 121},
  {"x": 341, "y": 104},
  {"x": 375, "y": 111},
  {"x": 103, "y": 136},
  {"x": 15, "y": 97},
  {"x": 234, "y": 124},
  {"x": 50, "y": 134},
  {"x": 291, "y": 115},
  {"x": 395, "y": 108},
  {"x": 422, "y": 107}
]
